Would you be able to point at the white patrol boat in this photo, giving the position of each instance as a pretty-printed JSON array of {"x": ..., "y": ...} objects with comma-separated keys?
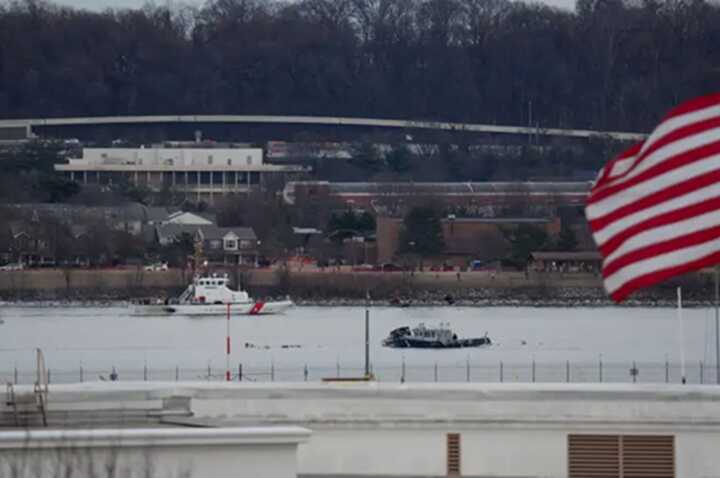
[{"x": 211, "y": 296}]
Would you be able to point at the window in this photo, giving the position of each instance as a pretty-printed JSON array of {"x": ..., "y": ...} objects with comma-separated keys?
[
  {"x": 210, "y": 159},
  {"x": 245, "y": 244},
  {"x": 229, "y": 162},
  {"x": 215, "y": 244},
  {"x": 621, "y": 456},
  {"x": 249, "y": 160},
  {"x": 231, "y": 244}
]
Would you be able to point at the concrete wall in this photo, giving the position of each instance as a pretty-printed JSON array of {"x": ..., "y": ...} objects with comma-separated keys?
[
  {"x": 171, "y": 452},
  {"x": 77, "y": 280},
  {"x": 124, "y": 282}
]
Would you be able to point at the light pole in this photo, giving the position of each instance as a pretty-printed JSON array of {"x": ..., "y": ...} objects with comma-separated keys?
[{"x": 257, "y": 254}]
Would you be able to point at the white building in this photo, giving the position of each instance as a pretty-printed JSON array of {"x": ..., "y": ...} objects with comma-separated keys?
[
  {"x": 464, "y": 429},
  {"x": 260, "y": 452},
  {"x": 202, "y": 172}
]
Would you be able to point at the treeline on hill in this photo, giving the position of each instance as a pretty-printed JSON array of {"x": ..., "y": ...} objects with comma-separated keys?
[{"x": 609, "y": 65}]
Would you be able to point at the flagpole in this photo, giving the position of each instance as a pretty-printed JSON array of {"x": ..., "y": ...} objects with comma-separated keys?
[
  {"x": 717, "y": 332},
  {"x": 367, "y": 334},
  {"x": 682, "y": 340}
]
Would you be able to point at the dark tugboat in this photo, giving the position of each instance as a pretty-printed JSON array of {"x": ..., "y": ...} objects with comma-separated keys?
[{"x": 422, "y": 337}]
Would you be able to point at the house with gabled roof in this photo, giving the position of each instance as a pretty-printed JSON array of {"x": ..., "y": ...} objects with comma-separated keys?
[{"x": 229, "y": 245}]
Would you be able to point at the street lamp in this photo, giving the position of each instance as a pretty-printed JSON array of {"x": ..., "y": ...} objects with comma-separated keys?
[{"x": 412, "y": 248}]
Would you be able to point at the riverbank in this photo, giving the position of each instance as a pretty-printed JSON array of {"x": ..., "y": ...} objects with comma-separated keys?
[
  {"x": 474, "y": 298},
  {"x": 346, "y": 288}
]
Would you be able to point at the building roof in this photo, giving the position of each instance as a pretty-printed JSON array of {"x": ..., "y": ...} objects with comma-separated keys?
[
  {"x": 67, "y": 212},
  {"x": 498, "y": 220},
  {"x": 567, "y": 256},
  {"x": 78, "y": 230},
  {"x": 468, "y": 188},
  {"x": 171, "y": 232},
  {"x": 214, "y": 232},
  {"x": 195, "y": 218},
  {"x": 482, "y": 220},
  {"x": 156, "y": 214},
  {"x": 306, "y": 230}
]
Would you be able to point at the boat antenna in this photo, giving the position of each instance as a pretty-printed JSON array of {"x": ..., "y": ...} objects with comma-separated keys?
[{"x": 198, "y": 257}]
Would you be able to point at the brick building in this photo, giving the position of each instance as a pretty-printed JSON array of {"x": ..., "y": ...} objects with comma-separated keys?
[
  {"x": 465, "y": 238},
  {"x": 476, "y": 198}
]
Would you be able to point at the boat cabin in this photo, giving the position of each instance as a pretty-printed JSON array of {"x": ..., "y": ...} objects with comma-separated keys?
[{"x": 213, "y": 290}]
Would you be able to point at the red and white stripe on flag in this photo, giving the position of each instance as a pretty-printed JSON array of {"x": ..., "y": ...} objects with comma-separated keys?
[{"x": 654, "y": 211}]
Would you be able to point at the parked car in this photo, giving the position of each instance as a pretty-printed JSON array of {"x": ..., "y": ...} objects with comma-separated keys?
[
  {"x": 158, "y": 266},
  {"x": 389, "y": 267},
  {"x": 16, "y": 266}
]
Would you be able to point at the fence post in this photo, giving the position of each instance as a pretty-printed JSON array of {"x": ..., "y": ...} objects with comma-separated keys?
[
  {"x": 209, "y": 374},
  {"x": 436, "y": 372},
  {"x": 667, "y": 371},
  {"x": 501, "y": 371},
  {"x": 240, "y": 377},
  {"x": 177, "y": 373},
  {"x": 701, "y": 373},
  {"x": 145, "y": 372},
  {"x": 337, "y": 368},
  {"x": 305, "y": 372},
  {"x": 402, "y": 370},
  {"x": 81, "y": 375},
  {"x": 567, "y": 371},
  {"x": 467, "y": 369},
  {"x": 48, "y": 371},
  {"x": 272, "y": 371},
  {"x": 533, "y": 370},
  {"x": 15, "y": 376},
  {"x": 634, "y": 372},
  {"x": 600, "y": 369}
]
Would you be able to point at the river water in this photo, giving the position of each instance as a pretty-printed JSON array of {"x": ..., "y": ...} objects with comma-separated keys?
[{"x": 576, "y": 344}]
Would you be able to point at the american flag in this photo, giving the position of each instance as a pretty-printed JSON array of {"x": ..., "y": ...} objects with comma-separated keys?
[{"x": 654, "y": 211}]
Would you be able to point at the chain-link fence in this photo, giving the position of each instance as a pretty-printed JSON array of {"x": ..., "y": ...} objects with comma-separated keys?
[{"x": 555, "y": 372}]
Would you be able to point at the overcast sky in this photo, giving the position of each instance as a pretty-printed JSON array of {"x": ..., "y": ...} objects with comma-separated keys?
[{"x": 103, "y": 4}]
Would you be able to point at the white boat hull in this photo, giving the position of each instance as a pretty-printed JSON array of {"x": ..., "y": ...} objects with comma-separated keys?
[{"x": 249, "y": 308}]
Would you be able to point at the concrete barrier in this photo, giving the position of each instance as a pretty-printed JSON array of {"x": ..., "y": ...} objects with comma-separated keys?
[{"x": 265, "y": 452}]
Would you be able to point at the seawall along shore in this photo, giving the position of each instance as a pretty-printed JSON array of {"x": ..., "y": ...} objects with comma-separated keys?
[{"x": 345, "y": 287}]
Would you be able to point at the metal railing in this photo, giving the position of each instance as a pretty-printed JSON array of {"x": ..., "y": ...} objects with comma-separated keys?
[{"x": 468, "y": 371}]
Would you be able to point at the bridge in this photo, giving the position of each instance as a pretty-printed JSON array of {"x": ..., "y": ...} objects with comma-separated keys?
[{"x": 19, "y": 129}]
